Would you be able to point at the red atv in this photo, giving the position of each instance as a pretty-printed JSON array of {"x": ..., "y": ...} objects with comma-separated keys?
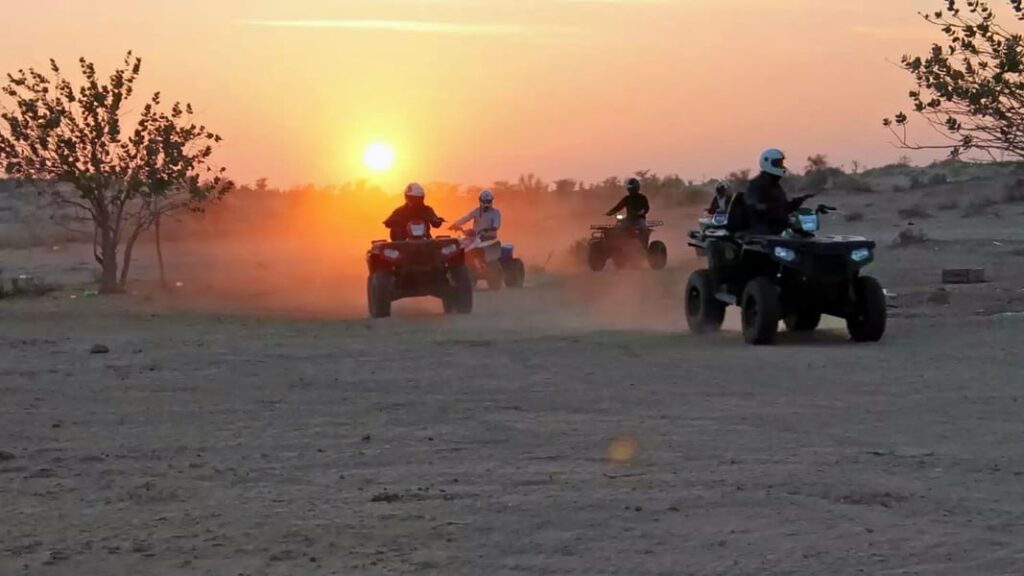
[{"x": 418, "y": 266}]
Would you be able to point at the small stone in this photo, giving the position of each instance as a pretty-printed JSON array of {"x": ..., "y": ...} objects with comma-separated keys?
[{"x": 99, "y": 349}]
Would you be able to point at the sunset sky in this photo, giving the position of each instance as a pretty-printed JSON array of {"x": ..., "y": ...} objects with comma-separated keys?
[{"x": 478, "y": 90}]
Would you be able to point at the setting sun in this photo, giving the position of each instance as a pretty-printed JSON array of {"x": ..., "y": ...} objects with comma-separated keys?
[{"x": 379, "y": 157}]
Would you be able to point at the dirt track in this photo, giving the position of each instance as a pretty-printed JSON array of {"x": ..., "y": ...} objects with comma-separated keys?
[{"x": 560, "y": 430}]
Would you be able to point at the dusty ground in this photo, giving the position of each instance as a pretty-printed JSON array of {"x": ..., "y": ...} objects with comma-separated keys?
[{"x": 570, "y": 428}]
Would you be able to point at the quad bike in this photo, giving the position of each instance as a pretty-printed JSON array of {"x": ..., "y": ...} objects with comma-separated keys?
[
  {"x": 491, "y": 261},
  {"x": 625, "y": 243},
  {"x": 418, "y": 266},
  {"x": 795, "y": 277}
]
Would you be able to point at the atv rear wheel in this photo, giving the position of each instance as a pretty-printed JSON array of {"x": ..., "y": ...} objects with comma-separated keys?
[
  {"x": 378, "y": 294},
  {"x": 596, "y": 258},
  {"x": 459, "y": 299},
  {"x": 621, "y": 260},
  {"x": 515, "y": 273},
  {"x": 803, "y": 321},
  {"x": 495, "y": 276},
  {"x": 867, "y": 320},
  {"x": 704, "y": 312},
  {"x": 760, "y": 305},
  {"x": 657, "y": 255}
]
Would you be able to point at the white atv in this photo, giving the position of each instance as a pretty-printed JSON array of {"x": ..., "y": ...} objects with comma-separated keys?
[{"x": 491, "y": 261}]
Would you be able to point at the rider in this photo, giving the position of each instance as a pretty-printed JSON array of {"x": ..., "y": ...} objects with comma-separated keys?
[
  {"x": 634, "y": 203},
  {"x": 413, "y": 209},
  {"x": 767, "y": 205},
  {"x": 720, "y": 203},
  {"x": 486, "y": 218}
]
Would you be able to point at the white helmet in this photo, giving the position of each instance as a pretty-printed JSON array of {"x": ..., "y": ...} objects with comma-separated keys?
[
  {"x": 486, "y": 197},
  {"x": 773, "y": 161},
  {"x": 414, "y": 190},
  {"x": 722, "y": 185}
]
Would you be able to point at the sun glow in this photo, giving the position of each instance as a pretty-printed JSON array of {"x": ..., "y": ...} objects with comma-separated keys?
[{"x": 379, "y": 157}]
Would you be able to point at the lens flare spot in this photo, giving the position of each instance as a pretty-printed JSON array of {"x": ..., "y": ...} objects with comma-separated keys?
[{"x": 622, "y": 450}]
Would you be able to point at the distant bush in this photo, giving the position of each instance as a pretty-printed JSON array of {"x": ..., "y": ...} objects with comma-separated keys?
[
  {"x": 691, "y": 196},
  {"x": 25, "y": 286},
  {"x": 979, "y": 206},
  {"x": 1014, "y": 193},
  {"x": 909, "y": 237},
  {"x": 820, "y": 179},
  {"x": 852, "y": 183},
  {"x": 948, "y": 205},
  {"x": 938, "y": 179},
  {"x": 913, "y": 212}
]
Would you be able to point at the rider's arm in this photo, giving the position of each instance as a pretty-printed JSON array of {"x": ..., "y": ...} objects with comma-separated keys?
[
  {"x": 797, "y": 202},
  {"x": 645, "y": 206},
  {"x": 497, "y": 219},
  {"x": 618, "y": 207},
  {"x": 465, "y": 219},
  {"x": 433, "y": 219},
  {"x": 392, "y": 220}
]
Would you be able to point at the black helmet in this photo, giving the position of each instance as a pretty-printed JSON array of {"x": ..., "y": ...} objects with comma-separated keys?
[{"x": 633, "y": 185}]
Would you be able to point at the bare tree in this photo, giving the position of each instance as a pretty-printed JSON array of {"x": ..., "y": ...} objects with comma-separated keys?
[
  {"x": 72, "y": 145},
  {"x": 970, "y": 88}
]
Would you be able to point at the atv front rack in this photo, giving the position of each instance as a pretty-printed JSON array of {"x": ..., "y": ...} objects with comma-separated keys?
[{"x": 651, "y": 224}]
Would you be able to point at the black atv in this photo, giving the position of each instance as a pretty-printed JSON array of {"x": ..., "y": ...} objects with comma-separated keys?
[
  {"x": 418, "y": 266},
  {"x": 625, "y": 243},
  {"x": 795, "y": 277}
]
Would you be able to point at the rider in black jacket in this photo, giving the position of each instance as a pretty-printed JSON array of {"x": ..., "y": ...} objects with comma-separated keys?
[
  {"x": 635, "y": 203},
  {"x": 767, "y": 205},
  {"x": 413, "y": 209}
]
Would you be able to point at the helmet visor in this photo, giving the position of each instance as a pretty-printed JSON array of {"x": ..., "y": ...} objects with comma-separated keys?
[{"x": 779, "y": 163}]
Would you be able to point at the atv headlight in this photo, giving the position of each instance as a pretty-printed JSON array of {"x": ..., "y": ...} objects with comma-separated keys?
[
  {"x": 784, "y": 254},
  {"x": 860, "y": 254},
  {"x": 391, "y": 253},
  {"x": 449, "y": 250},
  {"x": 808, "y": 222}
]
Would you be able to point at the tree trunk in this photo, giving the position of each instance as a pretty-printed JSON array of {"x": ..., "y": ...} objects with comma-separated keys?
[
  {"x": 129, "y": 247},
  {"x": 160, "y": 253},
  {"x": 108, "y": 263}
]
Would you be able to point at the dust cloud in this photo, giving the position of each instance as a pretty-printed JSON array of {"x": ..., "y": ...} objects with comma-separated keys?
[{"x": 303, "y": 255}]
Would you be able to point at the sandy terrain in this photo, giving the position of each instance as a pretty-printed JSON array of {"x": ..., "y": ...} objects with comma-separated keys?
[{"x": 569, "y": 428}]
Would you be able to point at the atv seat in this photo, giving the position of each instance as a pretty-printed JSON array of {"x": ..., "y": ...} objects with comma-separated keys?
[{"x": 737, "y": 219}]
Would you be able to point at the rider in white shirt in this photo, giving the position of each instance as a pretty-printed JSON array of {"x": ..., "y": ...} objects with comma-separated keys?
[{"x": 486, "y": 218}]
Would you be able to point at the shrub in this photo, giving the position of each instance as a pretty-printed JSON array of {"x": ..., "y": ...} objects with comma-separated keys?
[
  {"x": 912, "y": 212},
  {"x": 1014, "y": 193},
  {"x": 909, "y": 237},
  {"x": 947, "y": 205},
  {"x": 938, "y": 179},
  {"x": 978, "y": 206}
]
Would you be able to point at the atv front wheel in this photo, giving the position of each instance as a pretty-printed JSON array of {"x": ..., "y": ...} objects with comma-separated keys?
[
  {"x": 867, "y": 320},
  {"x": 704, "y": 312},
  {"x": 803, "y": 321},
  {"x": 596, "y": 258},
  {"x": 515, "y": 273},
  {"x": 657, "y": 255},
  {"x": 760, "y": 306},
  {"x": 459, "y": 299},
  {"x": 378, "y": 294}
]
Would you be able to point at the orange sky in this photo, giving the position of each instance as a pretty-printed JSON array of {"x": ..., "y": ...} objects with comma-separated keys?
[{"x": 479, "y": 90}]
